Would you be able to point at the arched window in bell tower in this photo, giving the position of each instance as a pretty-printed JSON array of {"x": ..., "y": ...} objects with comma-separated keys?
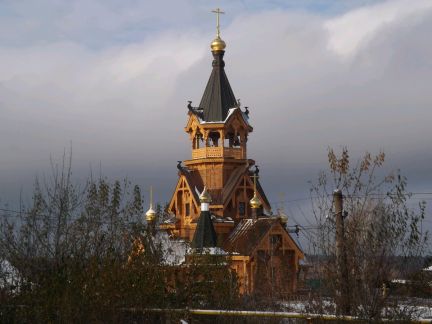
[
  {"x": 213, "y": 139},
  {"x": 198, "y": 140},
  {"x": 233, "y": 139}
]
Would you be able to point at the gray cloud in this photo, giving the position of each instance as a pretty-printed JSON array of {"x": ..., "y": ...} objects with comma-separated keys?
[{"x": 114, "y": 81}]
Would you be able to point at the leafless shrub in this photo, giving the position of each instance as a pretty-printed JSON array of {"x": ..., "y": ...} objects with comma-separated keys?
[
  {"x": 383, "y": 235},
  {"x": 70, "y": 257}
]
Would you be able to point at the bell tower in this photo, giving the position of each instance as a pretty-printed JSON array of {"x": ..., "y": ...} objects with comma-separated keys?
[{"x": 218, "y": 130}]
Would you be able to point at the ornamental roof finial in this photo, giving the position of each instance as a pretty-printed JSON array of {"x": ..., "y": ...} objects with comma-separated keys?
[
  {"x": 255, "y": 202},
  {"x": 218, "y": 44},
  {"x": 151, "y": 214}
]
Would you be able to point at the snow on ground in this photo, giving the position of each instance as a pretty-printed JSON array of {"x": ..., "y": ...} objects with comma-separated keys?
[
  {"x": 174, "y": 251},
  {"x": 420, "y": 309},
  {"x": 9, "y": 276}
]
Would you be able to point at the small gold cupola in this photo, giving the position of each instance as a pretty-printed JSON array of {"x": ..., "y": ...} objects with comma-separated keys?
[
  {"x": 255, "y": 202},
  {"x": 205, "y": 200},
  {"x": 218, "y": 44},
  {"x": 283, "y": 217},
  {"x": 151, "y": 214}
]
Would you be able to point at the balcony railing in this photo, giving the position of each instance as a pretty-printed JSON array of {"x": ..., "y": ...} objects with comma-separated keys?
[{"x": 218, "y": 152}]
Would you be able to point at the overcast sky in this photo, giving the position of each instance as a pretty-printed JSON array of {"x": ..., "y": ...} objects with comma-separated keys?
[{"x": 113, "y": 78}]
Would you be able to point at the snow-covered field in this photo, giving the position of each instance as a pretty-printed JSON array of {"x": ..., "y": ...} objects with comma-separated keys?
[{"x": 419, "y": 309}]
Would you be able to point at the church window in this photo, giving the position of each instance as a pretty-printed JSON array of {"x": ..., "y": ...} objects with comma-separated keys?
[
  {"x": 242, "y": 208},
  {"x": 275, "y": 239},
  {"x": 214, "y": 139},
  {"x": 197, "y": 140},
  {"x": 187, "y": 209},
  {"x": 273, "y": 274}
]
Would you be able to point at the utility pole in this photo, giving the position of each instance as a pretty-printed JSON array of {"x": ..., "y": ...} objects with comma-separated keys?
[{"x": 343, "y": 299}]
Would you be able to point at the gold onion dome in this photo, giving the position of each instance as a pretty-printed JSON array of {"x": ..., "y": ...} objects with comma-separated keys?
[
  {"x": 218, "y": 44},
  {"x": 205, "y": 196},
  {"x": 255, "y": 202},
  {"x": 283, "y": 218},
  {"x": 150, "y": 215}
]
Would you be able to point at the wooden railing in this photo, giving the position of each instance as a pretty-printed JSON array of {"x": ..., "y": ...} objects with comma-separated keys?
[{"x": 218, "y": 152}]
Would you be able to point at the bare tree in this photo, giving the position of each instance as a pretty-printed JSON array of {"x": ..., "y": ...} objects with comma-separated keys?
[
  {"x": 85, "y": 254},
  {"x": 383, "y": 235},
  {"x": 66, "y": 233}
]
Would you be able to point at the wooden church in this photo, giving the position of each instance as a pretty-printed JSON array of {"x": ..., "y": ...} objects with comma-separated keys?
[{"x": 220, "y": 176}]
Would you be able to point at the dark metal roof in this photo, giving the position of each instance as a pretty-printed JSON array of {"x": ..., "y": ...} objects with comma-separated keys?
[
  {"x": 205, "y": 234},
  {"x": 248, "y": 234},
  {"x": 218, "y": 96}
]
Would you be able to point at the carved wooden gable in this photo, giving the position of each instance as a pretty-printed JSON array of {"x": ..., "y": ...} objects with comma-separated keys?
[
  {"x": 184, "y": 203},
  {"x": 277, "y": 238},
  {"x": 237, "y": 120},
  {"x": 192, "y": 126},
  {"x": 244, "y": 186}
]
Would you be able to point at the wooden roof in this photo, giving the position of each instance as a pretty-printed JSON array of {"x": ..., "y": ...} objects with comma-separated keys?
[
  {"x": 192, "y": 182},
  {"x": 222, "y": 196}
]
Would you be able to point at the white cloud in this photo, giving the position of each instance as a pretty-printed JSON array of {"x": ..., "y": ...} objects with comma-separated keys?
[{"x": 351, "y": 30}]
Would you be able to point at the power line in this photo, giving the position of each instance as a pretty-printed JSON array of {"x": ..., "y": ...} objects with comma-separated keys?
[
  {"x": 409, "y": 194},
  {"x": 291, "y": 201},
  {"x": 40, "y": 216}
]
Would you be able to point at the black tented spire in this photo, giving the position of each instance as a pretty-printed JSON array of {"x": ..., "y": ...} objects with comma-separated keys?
[
  {"x": 218, "y": 96},
  {"x": 205, "y": 234}
]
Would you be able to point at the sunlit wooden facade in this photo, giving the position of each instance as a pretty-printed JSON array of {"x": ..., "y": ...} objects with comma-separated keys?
[{"x": 263, "y": 253}]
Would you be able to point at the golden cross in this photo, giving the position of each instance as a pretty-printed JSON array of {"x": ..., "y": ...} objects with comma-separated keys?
[
  {"x": 151, "y": 196},
  {"x": 217, "y": 11},
  {"x": 255, "y": 177}
]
